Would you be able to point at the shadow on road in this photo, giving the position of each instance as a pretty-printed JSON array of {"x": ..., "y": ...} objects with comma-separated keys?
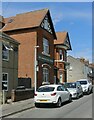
[{"x": 52, "y": 106}]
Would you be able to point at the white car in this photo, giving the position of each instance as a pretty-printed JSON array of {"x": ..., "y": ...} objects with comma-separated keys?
[
  {"x": 75, "y": 89},
  {"x": 86, "y": 85},
  {"x": 55, "y": 94}
]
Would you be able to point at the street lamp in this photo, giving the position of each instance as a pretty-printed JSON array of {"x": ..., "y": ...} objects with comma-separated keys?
[{"x": 35, "y": 71}]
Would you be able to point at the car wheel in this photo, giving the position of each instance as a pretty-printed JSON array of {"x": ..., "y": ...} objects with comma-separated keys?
[
  {"x": 59, "y": 103},
  {"x": 70, "y": 99},
  {"x": 88, "y": 92},
  {"x": 77, "y": 96},
  {"x": 92, "y": 90},
  {"x": 37, "y": 105},
  {"x": 82, "y": 94}
]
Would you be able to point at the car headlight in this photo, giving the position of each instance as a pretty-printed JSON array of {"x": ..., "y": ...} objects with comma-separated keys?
[
  {"x": 85, "y": 87},
  {"x": 74, "y": 93}
]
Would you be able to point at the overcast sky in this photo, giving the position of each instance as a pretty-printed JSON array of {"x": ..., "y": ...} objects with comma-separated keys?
[{"x": 73, "y": 17}]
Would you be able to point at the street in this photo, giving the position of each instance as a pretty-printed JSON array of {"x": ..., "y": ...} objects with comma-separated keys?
[{"x": 80, "y": 108}]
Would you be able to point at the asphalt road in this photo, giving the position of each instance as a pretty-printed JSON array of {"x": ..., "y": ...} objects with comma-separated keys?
[{"x": 80, "y": 108}]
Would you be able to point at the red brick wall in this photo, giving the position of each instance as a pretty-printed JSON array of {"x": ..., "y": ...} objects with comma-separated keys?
[
  {"x": 28, "y": 39},
  {"x": 60, "y": 65}
]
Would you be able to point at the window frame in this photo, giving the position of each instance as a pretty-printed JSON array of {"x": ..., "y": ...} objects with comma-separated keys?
[
  {"x": 46, "y": 47},
  {"x": 61, "y": 57},
  {"x": 45, "y": 74},
  {"x": 7, "y": 52},
  {"x": 4, "y": 80}
]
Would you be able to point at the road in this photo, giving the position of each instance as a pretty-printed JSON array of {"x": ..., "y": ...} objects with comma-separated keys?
[{"x": 80, "y": 108}]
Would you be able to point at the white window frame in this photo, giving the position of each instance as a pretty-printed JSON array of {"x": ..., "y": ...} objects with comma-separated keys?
[
  {"x": 45, "y": 74},
  {"x": 6, "y": 79},
  {"x": 45, "y": 46},
  {"x": 6, "y": 51}
]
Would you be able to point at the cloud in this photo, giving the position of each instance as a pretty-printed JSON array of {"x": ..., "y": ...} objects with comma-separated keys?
[{"x": 57, "y": 17}]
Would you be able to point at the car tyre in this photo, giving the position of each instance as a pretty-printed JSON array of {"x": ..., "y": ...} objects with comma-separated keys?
[
  {"x": 88, "y": 92},
  {"x": 37, "y": 105},
  {"x": 77, "y": 96},
  {"x": 59, "y": 103},
  {"x": 70, "y": 98}
]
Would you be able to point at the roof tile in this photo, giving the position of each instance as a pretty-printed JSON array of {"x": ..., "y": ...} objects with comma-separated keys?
[{"x": 25, "y": 20}]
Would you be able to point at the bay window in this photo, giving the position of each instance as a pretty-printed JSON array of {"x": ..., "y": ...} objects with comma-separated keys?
[{"x": 60, "y": 55}]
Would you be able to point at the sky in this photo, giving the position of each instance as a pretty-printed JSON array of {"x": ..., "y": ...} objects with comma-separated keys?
[{"x": 73, "y": 17}]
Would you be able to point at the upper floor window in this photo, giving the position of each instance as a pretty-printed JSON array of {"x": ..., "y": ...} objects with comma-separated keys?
[
  {"x": 45, "y": 75},
  {"x": 5, "y": 81},
  {"x": 45, "y": 46},
  {"x": 60, "y": 55},
  {"x": 5, "y": 52}
]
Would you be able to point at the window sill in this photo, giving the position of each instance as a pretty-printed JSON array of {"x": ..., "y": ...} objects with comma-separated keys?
[
  {"x": 45, "y": 54},
  {"x": 5, "y": 60}
]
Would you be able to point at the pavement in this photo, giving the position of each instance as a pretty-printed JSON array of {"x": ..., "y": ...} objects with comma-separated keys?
[{"x": 16, "y": 107}]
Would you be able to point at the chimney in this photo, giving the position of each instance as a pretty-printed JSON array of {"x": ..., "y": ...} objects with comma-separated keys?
[
  {"x": 82, "y": 60},
  {"x": 2, "y": 22},
  {"x": 86, "y": 62}
]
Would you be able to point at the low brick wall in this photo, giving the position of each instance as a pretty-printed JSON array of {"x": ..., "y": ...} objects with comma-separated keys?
[{"x": 18, "y": 95}]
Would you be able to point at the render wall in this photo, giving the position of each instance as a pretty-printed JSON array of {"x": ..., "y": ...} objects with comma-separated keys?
[{"x": 76, "y": 70}]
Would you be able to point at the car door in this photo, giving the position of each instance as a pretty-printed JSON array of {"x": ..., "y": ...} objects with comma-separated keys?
[
  {"x": 61, "y": 93},
  {"x": 65, "y": 93}
]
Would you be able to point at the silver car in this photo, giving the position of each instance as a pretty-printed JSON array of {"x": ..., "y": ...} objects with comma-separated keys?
[
  {"x": 75, "y": 89},
  {"x": 86, "y": 85}
]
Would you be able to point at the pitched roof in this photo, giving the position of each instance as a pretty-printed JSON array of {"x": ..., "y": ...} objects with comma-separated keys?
[
  {"x": 61, "y": 39},
  {"x": 31, "y": 19},
  {"x": 25, "y": 20},
  {"x": 5, "y": 36}
]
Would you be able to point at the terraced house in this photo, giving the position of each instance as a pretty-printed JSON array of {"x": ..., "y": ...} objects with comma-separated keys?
[
  {"x": 8, "y": 63},
  {"x": 61, "y": 46},
  {"x": 35, "y": 31}
]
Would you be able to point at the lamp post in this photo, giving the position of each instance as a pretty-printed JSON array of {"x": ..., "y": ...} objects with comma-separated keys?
[{"x": 35, "y": 71}]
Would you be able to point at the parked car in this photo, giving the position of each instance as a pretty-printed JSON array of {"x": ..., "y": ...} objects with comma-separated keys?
[
  {"x": 75, "y": 89},
  {"x": 86, "y": 85},
  {"x": 55, "y": 94}
]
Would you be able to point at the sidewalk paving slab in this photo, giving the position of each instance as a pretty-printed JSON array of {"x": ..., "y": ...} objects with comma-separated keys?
[{"x": 15, "y": 107}]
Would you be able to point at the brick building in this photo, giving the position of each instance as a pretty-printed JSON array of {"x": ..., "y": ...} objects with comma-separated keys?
[
  {"x": 61, "y": 45},
  {"x": 34, "y": 29}
]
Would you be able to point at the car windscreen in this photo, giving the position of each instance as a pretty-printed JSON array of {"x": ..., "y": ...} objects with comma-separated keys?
[
  {"x": 46, "y": 89},
  {"x": 70, "y": 85},
  {"x": 83, "y": 82}
]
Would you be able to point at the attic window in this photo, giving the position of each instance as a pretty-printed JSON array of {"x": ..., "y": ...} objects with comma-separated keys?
[{"x": 10, "y": 21}]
